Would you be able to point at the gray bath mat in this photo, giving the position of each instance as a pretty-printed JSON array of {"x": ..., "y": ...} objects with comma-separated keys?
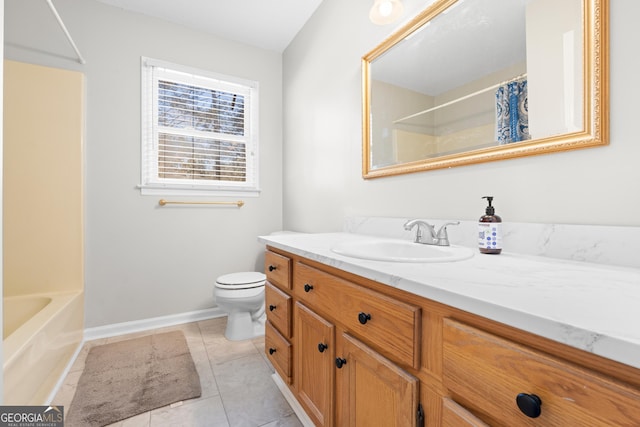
[{"x": 130, "y": 377}]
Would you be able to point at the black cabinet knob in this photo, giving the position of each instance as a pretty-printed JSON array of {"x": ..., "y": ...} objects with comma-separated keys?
[
  {"x": 272, "y": 350},
  {"x": 272, "y": 307},
  {"x": 322, "y": 347},
  {"x": 364, "y": 317},
  {"x": 529, "y": 404},
  {"x": 307, "y": 287},
  {"x": 340, "y": 362},
  {"x": 272, "y": 267}
]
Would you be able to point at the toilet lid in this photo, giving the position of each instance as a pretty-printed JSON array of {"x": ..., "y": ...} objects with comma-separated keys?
[{"x": 244, "y": 280}]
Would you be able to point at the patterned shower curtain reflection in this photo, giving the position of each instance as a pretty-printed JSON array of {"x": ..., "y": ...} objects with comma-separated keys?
[{"x": 512, "y": 112}]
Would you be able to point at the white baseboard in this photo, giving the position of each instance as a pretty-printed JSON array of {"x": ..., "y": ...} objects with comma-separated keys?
[
  {"x": 130, "y": 327},
  {"x": 302, "y": 415},
  {"x": 123, "y": 328}
]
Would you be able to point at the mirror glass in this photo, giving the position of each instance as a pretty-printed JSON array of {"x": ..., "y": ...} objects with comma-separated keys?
[{"x": 470, "y": 81}]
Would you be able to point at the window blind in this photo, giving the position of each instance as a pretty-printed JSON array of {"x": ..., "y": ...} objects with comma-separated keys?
[{"x": 200, "y": 130}]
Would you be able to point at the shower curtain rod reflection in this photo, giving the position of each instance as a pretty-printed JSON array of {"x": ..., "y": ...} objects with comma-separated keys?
[
  {"x": 462, "y": 98},
  {"x": 163, "y": 202}
]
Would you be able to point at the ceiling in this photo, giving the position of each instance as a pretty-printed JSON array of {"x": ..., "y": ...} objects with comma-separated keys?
[{"x": 267, "y": 24}]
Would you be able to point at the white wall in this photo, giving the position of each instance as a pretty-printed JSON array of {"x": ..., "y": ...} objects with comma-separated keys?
[
  {"x": 322, "y": 131},
  {"x": 142, "y": 260}
]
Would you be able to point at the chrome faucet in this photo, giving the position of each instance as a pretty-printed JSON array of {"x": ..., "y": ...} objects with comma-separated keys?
[
  {"x": 431, "y": 239},
  {"x": 440, "y": 238}
]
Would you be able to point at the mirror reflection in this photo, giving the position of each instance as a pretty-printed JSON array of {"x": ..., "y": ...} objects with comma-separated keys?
[{"x": 476, "y": 75}]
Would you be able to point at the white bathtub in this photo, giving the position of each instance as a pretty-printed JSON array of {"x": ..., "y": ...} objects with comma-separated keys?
[{"x": 41, "y": 334}]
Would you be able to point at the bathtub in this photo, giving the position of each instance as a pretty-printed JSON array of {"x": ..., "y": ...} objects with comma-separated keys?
[{"x": 41, "y": 333}]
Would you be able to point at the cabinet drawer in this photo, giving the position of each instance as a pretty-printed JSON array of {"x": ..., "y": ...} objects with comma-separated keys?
[
  {"x": 486, "y": 373},
  {"x": 278, "y": 350},
  {"x": 277, "y": 268},
  {"x": 390, "y": 326},
  {"x": 278, "y": 306}
]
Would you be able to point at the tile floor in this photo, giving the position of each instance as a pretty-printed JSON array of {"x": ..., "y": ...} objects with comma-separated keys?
[{"x": 237, "y": 389}]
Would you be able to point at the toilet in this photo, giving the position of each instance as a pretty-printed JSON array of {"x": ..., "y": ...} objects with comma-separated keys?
[{"x": 241, "y": 295}]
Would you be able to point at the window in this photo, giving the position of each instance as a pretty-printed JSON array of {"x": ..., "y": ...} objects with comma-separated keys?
[{"x": 199, "y": 132}]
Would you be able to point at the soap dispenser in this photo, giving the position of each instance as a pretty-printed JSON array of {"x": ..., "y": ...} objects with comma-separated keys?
[{"x": 490, "y": 230}]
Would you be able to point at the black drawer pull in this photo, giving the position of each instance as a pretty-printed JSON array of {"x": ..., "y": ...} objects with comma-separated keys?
[
  {"x": 322, "y": 347},
  {"x": 529, "y": 404},
  {"x": 307, "y": 287},
  {"x": 364, "y": 317},
  {"x": 272, "y": 307},
  {"x": 340, "y": 362},
  {"x": 272, "y": 267},
  {"x": 272, "y": 350}
]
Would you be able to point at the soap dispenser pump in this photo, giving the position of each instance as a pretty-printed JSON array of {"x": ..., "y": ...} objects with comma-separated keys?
[{"x": 490, "y": 230}]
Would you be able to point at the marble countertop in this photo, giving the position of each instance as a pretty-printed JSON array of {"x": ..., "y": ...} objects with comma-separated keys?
[{"x": 591, "y": 307}]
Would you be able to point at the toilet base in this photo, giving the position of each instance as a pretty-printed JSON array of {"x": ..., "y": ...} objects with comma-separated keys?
[{"x": 240, "y": 326}]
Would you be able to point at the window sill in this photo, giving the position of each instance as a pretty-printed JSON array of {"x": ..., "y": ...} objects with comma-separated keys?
[{"x": 163, "y": 190}]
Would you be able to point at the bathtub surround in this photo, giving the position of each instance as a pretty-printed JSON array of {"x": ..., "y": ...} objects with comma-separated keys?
[
  {"x": 43, "y": 242},
  {"x": 130, "y": 377},
  {"x": 43, "y": 185}
]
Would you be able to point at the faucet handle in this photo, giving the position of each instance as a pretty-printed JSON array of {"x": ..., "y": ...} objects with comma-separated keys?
[{"x": 442, "y": 236}]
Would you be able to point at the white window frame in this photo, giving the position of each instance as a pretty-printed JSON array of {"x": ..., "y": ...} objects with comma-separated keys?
[{"x": 151, "y": 183}]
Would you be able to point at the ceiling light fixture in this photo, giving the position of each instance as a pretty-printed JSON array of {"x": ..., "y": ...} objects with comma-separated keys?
[{"x": 385, "y": 11}]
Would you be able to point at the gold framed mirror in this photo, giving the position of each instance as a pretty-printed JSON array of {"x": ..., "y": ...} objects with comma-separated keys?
[{"x": 473, "y": 81}]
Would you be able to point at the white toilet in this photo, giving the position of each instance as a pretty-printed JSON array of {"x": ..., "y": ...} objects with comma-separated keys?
[{"x": 241, "y": 295}]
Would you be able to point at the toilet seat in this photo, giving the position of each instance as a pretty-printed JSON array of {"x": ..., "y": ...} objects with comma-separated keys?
[{"x": 244, "y": 280}]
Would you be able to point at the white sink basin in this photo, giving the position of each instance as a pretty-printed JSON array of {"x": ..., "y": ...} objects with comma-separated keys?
[{"x": 401, "y": 251}]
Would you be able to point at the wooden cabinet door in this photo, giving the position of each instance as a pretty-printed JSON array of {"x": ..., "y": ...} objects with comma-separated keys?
[
  {"x": 315, "y": 373},
  {"x": 372, "y": 390}
]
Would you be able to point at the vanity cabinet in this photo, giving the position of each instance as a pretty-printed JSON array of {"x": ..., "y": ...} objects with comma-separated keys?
[{"x": 355, "y": 352}]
